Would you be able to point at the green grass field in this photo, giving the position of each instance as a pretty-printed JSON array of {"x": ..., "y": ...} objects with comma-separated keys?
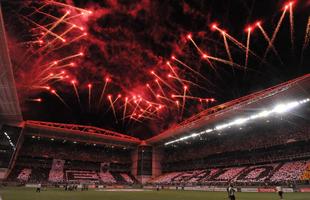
[{"x": 58, "y": 194}]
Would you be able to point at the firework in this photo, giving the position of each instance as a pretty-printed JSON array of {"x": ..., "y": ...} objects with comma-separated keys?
[
  {"x": 183, "y": 100},
  {"x": 165, "y": 98},
  {"x": 258, "y": 24},
  {"x": 113, "y": 109},
  {"x": 306, "y": 41},
  {"x": 160, "y": 88},
  {"x": 190, "y": 68},
  {"x": 60, "y": 98},
  {"x": 274, "y": 35},
  {"x": 76, "y": 91},
  {"x": 163, "y": 81},
  {"x": 107, "y": 80},
  {"x": 249, "y": 30},
  {"x": 188, "y": 82},
  {"x": 152, "y": 91},
  {"x": 125, "y": 108},
  {"x": 84, "y": 11},
  {"x": 292, "y": 25},
  {"x": 173, "y": 71},
  {"x": 200, "y": 51},
  {"x": 89, "y": 95},
  {"x": 227, "y": 47}
]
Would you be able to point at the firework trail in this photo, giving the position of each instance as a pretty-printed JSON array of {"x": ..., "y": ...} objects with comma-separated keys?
[
  {"x": 258, "y": 24},
  {"x": 247, "y": 47},
  {"x": 274, "y": 35},
  {"x": 306, "y": 41}
]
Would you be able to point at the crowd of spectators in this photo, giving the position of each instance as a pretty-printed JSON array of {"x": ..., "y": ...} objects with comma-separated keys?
[
  {"x": 51, "y": 161},
  {"x": 262, "y": 174},
  {"x": 290, "y": 171},
  {"x": 65, "y": 150},
  {"x": 288, "y": 151},
  {"x": 234, "y": 140}
]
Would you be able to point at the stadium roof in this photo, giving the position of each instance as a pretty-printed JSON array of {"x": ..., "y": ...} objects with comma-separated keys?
[
  {"x": 295, "y": 89},
  {"x": 9, "y": 105},
  {"x": 78, "y": 133}
]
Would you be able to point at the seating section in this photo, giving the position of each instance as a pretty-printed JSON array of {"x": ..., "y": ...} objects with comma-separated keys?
[
  {"x": 227, "y": 174},
  {"x": 273, "y": 173},
  {"x": 57, "y": 172},
  {"x": 290, "y": 171},
  {"x": 306, "y": 174},
  {"x": 127, "y": 178},
  {"x": 165, "y": 178},
  {"x": 257, "y": 173},
  {"x": 24, "y": 175},
  {"x": 106, "y": 177}
]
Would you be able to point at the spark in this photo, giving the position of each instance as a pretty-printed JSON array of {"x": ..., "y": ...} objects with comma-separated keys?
[
  {"x": 159, "y": 86},
  {"x": 113, "y": 102},
  {"x": 165, "y": 98},
  {"x": 190, "y": 68},
  {"x": 199, "y": 50},
  {"x": 113, "y": 109},
  {"x": 249, "y": 29},
  {"x": 183, "y": 101},
  {"x": 59, "y": 97},
  {"x": 107, "y": 80},
  {"x": 187, "y": 81},
  {"x": 137, "y": 105},
  {"x": 306, "y": 41},
  {"x": 234, "y": 40},
  {"x": 55, "y": 25},
  {"x": 76, "y": 91},
  {"x": 223, "y": 61},
  {"x": 292, "y": 25},
  {"x": 178, "y": 105},
  {"x": 258, "y": 24},
  {"x": 56, "y": 18},
  {"x": 152, "y": 91},
  {"x": 45, "y": 29},
  {"x": 227, "y": 48},
  {"x": 164, "y": 82},
  {"x": 192, "y": 97},
  {"x": 125, "y": 108},
  {"x": 55, "y": 39},
  {"x": 70, "y": 42},
  {"x": 84, "y": 11},
  {"x": 274, "y": 35},
  {"x": 89, "y": 95},
  {"x": 176, "y": 75}
]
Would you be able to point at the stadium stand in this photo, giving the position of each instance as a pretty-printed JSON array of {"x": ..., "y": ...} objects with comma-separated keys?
[
  {"x": 260, "y": 174},
  {"x": 50, "y": 161}
]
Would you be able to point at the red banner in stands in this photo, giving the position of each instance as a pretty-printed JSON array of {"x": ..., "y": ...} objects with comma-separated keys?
[
  {"x": 266, "y": 190},
  {"x": 304, "y": 189}
]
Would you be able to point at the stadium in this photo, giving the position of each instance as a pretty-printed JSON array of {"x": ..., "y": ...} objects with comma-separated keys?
[{"x": 112, "y": 100}]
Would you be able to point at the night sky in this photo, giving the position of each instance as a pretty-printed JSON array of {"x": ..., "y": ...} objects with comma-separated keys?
[{"x": 127, "y": 39}]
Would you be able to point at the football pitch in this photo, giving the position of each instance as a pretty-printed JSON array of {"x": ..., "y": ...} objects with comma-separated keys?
[{"x": 59, "y": 194}]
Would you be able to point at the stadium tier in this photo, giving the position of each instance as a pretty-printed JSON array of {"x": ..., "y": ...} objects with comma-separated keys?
[
  {"x": 58, "y": 161},
  {"x": 284, "y": 173}
]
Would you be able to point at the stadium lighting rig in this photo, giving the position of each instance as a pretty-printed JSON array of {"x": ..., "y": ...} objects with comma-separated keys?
[{"x": 278, "y": 109}]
